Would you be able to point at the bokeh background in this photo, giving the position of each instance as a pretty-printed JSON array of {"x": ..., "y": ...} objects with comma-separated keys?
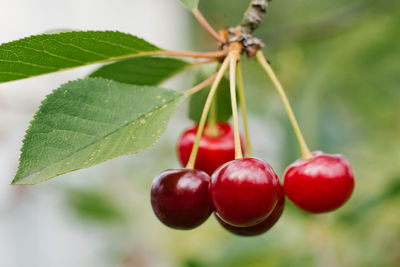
[{"x": 340, "y": 63}]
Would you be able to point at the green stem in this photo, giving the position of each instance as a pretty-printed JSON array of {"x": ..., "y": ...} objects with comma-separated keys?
[
  {"x": 220, "y": 74},
  {"x": 242, "y": 101},
  {"x": 233, "y": 57},
  {"x": 305, "y": 152},
  {"x": 212, "y": 129}
]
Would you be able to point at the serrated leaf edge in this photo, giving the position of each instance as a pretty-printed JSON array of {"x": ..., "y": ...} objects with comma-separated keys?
[
  {"x": 111, "y": 59},
  {"x": 19, "y": 181}
]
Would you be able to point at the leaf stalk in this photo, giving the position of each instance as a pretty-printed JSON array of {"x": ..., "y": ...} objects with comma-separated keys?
[
  {"x": 212, "y": 55},
  {"x": 202, "y": 85},
  {"x": 204, "y": 23}
]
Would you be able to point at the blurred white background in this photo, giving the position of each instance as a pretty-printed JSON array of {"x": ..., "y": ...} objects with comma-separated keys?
[{"x": 33, "y": 232}]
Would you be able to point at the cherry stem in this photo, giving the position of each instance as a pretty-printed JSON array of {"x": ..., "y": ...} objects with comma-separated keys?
[
  {"x": 218, "y": 78},
  {"x": 212, "y": 129},
  {"x": 214, "y": 54},
  {"x": 233, "y": 57},
  {"x": 305, "y": 152},
  {"x": 202, "y": 85},
  {"x": 204, "y": 23},
  {"x": 242, "y": 101}
]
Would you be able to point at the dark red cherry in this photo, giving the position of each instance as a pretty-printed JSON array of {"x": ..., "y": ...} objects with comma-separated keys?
[
  {"x": 179, "y": 198},
  {"x": 213, "y": 151},
  {"x": 321, "y": 184},
  {"x": 263, "y": 226},
  {"x": 244, "y": 192}
]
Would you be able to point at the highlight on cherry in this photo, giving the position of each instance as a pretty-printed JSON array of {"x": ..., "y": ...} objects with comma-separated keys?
[{"x": 116, "y": 111}]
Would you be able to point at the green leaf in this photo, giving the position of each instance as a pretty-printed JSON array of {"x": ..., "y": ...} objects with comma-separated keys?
[
  {"x": 48, "y": 53},
  {"x": 222, "y": 100},
  {"x": 141, "y": 70},
  {"x": 89, "y": 121},
  {"x": 190, "y": 4}
]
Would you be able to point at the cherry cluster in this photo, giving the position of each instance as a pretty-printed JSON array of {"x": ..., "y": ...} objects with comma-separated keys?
[{"x": 245, "y": 194}]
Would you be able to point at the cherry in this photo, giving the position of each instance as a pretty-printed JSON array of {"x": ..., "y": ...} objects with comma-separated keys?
[
  {"x": 321, "y": 184},
  {"x": 263, "y": 226},
  {"x": 213, "y": 151},
  {"x": 179, "y": 198},
  {"x": 244, "y": 192}
]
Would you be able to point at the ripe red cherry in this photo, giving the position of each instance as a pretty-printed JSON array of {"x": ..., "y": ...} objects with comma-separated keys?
[
  {"x": 244, "y": 192},
  {"x": 179, "y": 198},
  {"x": 213, "y": 151},
  {"x": 321, "y": 184},
  {"x": 263, "y": 226}
]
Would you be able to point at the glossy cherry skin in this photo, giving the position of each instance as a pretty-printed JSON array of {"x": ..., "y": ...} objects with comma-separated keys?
[
  {"x": 213, "y": 151},
  {"x": 263, "y": 226},
  {"x": 244, "y": 192},
  {"x": 321, "y": 184},
  {"x": 179, "y": 198}
]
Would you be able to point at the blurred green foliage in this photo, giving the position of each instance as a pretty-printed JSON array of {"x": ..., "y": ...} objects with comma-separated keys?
[
  {"x": 94, "y": 206},
  {"x": 339, "y": 62},
  {"x": 222, "y": 100}
]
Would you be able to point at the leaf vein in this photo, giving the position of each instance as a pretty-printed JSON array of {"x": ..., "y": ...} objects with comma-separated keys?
[
  {"x": 82, "y": 49},
  {"x": 113, "y": 44},
  {"x": 27, "y": 63},
  {"x": 14, "y": 73},
  {"x": 86, "y": 119},
  {"x": 101, "y": 138}
]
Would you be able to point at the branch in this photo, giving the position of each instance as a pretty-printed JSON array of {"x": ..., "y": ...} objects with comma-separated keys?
[{"x": 254, "y": 15}]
